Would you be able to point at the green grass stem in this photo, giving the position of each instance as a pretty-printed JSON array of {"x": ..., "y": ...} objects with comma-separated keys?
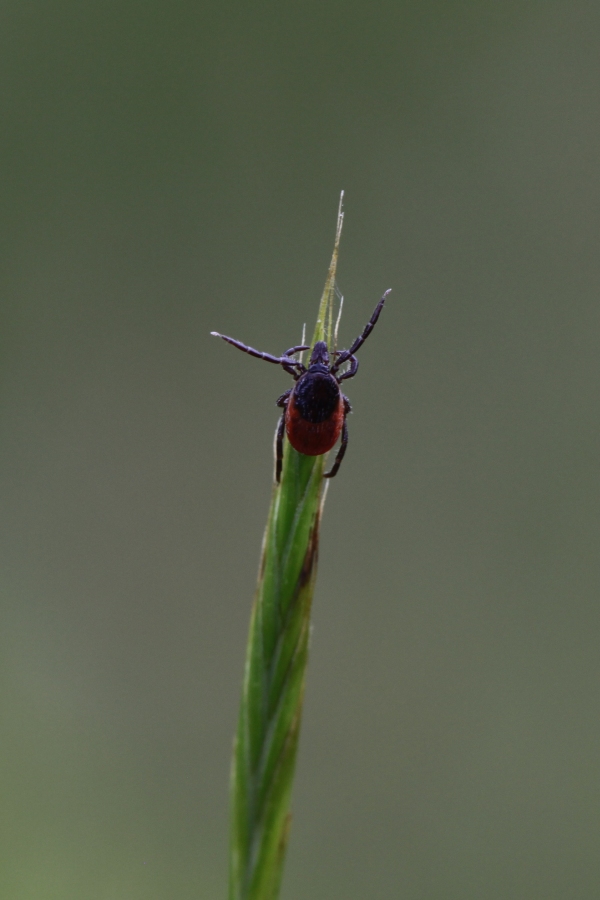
[{"x": 269, "y": 722}]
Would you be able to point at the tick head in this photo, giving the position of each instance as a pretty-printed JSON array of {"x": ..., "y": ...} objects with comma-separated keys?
[{"x": 319, "y": 356}]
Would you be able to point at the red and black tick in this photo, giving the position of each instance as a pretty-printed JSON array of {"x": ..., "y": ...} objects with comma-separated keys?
[{"x": 314, "y": 410}]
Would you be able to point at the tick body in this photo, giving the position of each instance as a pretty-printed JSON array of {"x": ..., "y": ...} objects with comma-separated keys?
[
  {"x": 314, "y": 409},
  {"x": 314, "y": 413}
]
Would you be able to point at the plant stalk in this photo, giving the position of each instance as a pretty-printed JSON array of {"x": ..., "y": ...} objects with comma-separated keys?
[{"x": 271, "y": 706}]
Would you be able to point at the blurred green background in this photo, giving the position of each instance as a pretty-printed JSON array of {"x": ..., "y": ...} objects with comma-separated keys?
[{"x": 169, "y": 169}]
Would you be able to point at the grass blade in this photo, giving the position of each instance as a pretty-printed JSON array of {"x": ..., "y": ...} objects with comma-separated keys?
[{"x": 271, "y": 706}]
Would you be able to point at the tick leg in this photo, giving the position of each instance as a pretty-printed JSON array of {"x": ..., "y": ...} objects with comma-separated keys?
[
  {"x": 283, "y": 402},
  {"x": 279, "y": 444},
  {"x": 290, "y": 365},
  {"x": 297, "y": 349},
  {"x": 268, "y": 357},
  {"x": 346, "y": 354},
  {"x": 340, "y": 453},
  {"x": 295, "y": 367},
  {"x": 351, "y": 371}
]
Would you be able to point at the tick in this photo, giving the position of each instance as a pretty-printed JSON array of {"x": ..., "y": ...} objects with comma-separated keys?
[{"x": 314, "y": 409}]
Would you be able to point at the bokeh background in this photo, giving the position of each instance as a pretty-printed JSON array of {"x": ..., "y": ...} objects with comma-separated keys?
[{"x": 173, "y": 168}]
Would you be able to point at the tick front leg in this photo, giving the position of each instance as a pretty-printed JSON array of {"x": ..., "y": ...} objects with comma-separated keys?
[
  {"x": 295, "y": 368},
  {"x": 346, "y": 354},
  {"x": 351, "y": 372},
  {"x": 340, "y": 453},
  {"x": 292, "y": 366},
  {"x": 297, "y": 349},
  {"x": 268, "y": 357}
]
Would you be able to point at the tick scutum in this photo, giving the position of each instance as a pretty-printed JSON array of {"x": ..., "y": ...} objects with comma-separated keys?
[{"x": 316, "y": 396}]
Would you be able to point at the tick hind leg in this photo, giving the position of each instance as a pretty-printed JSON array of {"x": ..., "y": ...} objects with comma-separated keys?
[
  {"x": 279, "y": 447},
  {"x": 282, "y": 402},
  {"x": 340, "y": 454},
  {"x": 344, "y": 443}
]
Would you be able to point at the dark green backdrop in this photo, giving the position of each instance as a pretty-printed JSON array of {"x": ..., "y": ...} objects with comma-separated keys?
[{"x": 173, "y": 168}]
